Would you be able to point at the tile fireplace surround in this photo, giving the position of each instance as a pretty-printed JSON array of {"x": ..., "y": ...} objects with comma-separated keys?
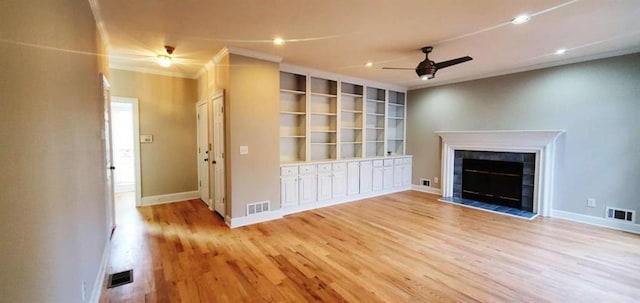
[{"x": 540, "y": 142}]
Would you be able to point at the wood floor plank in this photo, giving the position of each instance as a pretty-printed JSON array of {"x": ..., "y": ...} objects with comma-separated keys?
[{"x": 403, "y": 247}]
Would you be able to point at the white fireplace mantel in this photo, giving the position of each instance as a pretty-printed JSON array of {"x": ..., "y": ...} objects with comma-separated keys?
[{"x": 540, "y": 142}]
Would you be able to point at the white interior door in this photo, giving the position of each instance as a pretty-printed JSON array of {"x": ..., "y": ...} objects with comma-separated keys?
[
  {"x": 218, "y": 154},
  {"x": 108, "y": 157},
  {"x": 203, "y": 152}
]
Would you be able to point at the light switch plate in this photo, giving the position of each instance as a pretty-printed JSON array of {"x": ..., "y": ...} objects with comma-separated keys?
[
  {"x": 244, "y": 150},
  {"x": 146, "y": 138}
]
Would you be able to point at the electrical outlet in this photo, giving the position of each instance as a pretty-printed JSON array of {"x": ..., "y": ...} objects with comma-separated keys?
[
  {"x": 591, "y": 202},
  {"x": 83, "y": 290},
  {"x": 244, "y": 150},
  {"x": 435, "y": 180}
]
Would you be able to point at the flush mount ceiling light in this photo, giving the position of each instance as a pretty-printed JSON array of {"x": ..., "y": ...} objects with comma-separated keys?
[
  {"x": 520, "y": 19},
  {"x": 368, "y": 64},
  {"x": 561, "y": 51},
  {"x": 278, "y": 41},
  {"x": 165, "y": 60}
]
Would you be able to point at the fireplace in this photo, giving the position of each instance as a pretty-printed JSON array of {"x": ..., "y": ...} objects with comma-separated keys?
[
  {"x": 500, "y": 178},
  {"x": 535, "y": 149}
]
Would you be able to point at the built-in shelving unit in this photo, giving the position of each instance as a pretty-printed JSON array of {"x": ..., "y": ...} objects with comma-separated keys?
[
  {"x": 323, "y": 118},
  {"x": 351, "y": 120},
  {"x": 293, "y": 117},
  {"x": 396, "y": 114},
  {"x": 323, "y": 103},
  {"x": 374, "y": 121}
]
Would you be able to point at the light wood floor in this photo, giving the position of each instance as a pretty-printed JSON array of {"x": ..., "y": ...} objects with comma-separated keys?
[{"x": 404, "y": 247}]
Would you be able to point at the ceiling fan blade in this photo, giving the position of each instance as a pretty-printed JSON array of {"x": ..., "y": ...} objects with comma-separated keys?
[
  {"x": 400, "y": 68},
  {"x": 448, "y": 63}
]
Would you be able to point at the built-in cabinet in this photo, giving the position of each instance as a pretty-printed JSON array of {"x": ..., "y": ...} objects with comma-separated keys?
[
  {"x": 327, "y": 119},
  {"x": 339, "y": 140},
  {"x": 307, "y": 186},
  {"x": 293, "y": 117},
  {"x": 396, "y": 114}
]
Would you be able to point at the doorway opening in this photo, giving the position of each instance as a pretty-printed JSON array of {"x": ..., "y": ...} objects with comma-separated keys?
[{"x": 126, "y": 155}]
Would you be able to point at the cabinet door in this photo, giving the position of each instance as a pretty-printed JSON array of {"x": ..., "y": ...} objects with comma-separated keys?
[
  {"x": 398, "y": 175},
  {"x": 366, "y": 177},
  {"x": 289, "y": 191},
  {"x": 377, "y": 178},
  {"x": 406, "y": 178},
  {"x": 339, "y": 187},
  {"x": 388, "y": 177},
  {"x": 324, "y": 186},
  {"x": 353, "y": 178},
  {"x": 308, "y": 188}
]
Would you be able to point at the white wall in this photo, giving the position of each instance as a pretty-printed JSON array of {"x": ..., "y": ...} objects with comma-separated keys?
[
  {"x": 597, "y": 103},
  {"x": 52, "y": 209}
]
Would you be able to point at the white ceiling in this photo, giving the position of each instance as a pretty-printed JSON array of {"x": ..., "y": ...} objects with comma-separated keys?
[{"x": 341, "y": 36}]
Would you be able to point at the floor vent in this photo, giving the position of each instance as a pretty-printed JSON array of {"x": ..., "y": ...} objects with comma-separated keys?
[
  {"x": 425, "y": 182},
  {"x": 257, "y": 207},
  {"x": 121, "y": 278},
  {"x": 621, "y": 214}
]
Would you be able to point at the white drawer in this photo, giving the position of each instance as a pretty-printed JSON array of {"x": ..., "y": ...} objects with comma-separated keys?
[
  {"x": 307, "y": 169},
  {"x": 398, "y": 161},
  {"x": 407, "y": 160},
  {"x": 388, "y": 162},
  {"x": 324, "y": 168},
  {"x": 377, "y": 163},
  {"x": 288, "y": 170},
  {"x": 339, "y": 167}
]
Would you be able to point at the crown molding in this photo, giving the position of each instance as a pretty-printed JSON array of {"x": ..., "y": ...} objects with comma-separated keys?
[
  {"x": 297, "y": 69},
  {"x": 252, "y": 54},
  {"x": 151, "y": 71},
  {"x": 218, "y": 57},
  {"x": 97, "y": 16}
]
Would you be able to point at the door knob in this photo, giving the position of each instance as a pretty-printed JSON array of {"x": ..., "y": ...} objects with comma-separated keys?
[
  {"x": 112, "y": 167},
  {"x": 206, "y": 159},
  {"x": 214, "y": 161}
]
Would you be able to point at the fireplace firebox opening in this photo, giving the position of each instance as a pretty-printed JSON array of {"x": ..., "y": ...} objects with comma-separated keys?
[{"x": 495, "y": 182}]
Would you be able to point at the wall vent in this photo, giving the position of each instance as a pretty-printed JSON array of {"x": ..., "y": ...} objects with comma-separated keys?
[
  {"x": 621, "y": 214},
  {"x": 425, "y": 182},
  {"x": 258, "y": 207}
]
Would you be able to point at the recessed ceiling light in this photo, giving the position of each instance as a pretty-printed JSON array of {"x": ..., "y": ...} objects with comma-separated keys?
[
  {"x": 369, "y": 64},
  {"x": 164, "y": 60},
  {"x": 278, "y": 41},
  {"x": 561, "y": 51},
  {"x": 520, "y": 19}
]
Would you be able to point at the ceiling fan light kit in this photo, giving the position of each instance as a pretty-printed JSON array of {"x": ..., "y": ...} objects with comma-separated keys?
[{"x": 427, "y": 68}]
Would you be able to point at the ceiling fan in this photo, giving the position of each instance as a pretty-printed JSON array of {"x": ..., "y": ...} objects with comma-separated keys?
[{"x": 427, "y": 69}]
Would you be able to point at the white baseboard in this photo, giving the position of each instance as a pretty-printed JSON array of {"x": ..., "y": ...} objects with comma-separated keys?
[
  {"x": 603, "y": 222},
  {"x": 426, "y": 189},
  {"x": 253, "y": 219},
  {"x": 278, "y": 214},
  {"x": 169, "y": 198},
  {"x": 102, "y": 271}
]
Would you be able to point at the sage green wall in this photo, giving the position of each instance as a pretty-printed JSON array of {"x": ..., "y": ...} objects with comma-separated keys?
[
  {"x": 596, "y": 102},
  {"x": 167, "y": 108},
  {"x": 52, "y": 198}
]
